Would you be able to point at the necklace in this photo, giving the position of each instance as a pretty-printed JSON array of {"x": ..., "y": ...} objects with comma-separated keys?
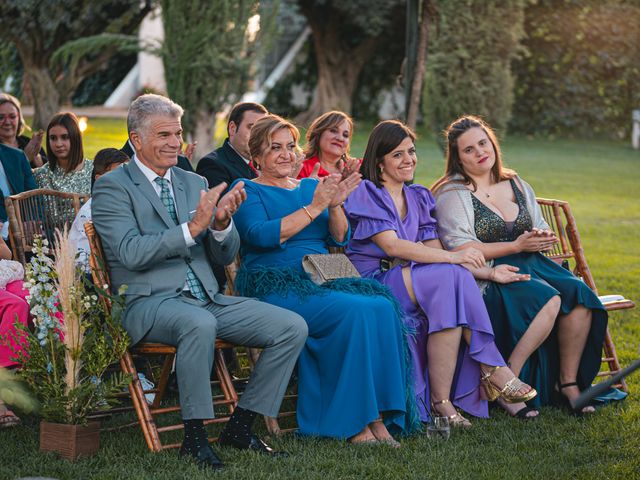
[{"x": 486, "y": 194}]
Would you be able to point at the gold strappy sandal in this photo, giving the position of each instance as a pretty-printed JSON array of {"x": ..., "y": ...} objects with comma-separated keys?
[
  {"x": 509, "y": 392},
  {"x": 456, "y": 420}
]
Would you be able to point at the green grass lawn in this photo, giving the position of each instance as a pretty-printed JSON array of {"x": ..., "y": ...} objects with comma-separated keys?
[{"x": 599, "y": 179}]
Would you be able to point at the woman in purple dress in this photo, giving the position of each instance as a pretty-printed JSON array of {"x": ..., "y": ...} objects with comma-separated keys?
[{"x": 395, "y": 241}]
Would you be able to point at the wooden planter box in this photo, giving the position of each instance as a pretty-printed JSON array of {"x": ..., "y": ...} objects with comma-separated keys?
[{"x": 70, "y": 441}]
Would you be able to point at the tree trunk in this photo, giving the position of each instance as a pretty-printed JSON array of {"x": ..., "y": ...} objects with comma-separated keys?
[
  {"x": 338, "y": 68},
  {"x": 46, "y": 99},
  {"x": 203, "y": 133},
  {"x": 335, "y": 87},
  {"x": 421, "y": 59}
]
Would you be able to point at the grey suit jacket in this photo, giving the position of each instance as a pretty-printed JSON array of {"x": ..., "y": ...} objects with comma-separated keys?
[{"x": 146, "y": 251}]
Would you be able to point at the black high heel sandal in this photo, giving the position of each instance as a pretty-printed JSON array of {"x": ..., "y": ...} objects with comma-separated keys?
[{"x": 578, "y": 412}]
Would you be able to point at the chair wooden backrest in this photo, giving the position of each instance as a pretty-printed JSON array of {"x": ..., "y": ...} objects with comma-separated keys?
[
  {"x": 557, "y": 214},
  {"x": 147, "y": 413},
  {"x": 39, "y": 212}
]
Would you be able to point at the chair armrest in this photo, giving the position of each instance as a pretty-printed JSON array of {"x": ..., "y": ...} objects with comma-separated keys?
[{"x": 616, "y": 302}]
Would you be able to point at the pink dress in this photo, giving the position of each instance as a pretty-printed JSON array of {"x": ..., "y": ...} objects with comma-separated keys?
[{"x": 13, "y": 308}]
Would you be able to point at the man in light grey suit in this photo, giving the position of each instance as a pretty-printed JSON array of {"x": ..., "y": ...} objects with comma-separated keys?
[{"x": 161, "y": 227}]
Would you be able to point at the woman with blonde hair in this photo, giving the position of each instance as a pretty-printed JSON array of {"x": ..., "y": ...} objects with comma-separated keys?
[{"x": 12, "y": 127}]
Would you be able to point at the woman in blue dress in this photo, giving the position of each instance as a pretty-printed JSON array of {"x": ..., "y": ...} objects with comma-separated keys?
[{"x": 352, "y": 372}]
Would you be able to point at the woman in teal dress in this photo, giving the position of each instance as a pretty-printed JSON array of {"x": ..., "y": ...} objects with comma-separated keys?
[
  {"x": 352, "y": 373},
  {"x": 552, "y": 327}
]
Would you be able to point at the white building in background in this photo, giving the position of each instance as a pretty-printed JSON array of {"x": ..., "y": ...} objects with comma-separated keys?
[{"x": 148, "y": 72}]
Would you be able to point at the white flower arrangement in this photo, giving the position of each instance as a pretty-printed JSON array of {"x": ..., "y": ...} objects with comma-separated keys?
[{"x": 73, "y": 341}]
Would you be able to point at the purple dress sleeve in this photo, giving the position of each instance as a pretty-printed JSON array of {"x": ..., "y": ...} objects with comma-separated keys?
[
  {"x": 370, "y": 211},
  {"x": 425, "y": 205}
]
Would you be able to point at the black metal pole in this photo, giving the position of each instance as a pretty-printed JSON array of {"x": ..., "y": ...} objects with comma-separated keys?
[{"x": 598, "y": 389}]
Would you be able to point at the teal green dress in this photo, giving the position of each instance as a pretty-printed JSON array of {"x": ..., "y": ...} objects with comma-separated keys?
[
  {"x": 355, "y": 361},
  {"x": 513, "y": 306}
]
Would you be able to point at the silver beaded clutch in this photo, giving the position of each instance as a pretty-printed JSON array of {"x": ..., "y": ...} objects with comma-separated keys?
[{"x": 328, "y": 266}]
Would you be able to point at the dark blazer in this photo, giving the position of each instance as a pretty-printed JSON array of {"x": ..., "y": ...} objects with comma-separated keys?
[
  {"x": 183, "y": 162},
  {"x": 224, "y": 165},
  {"x": 18, "y": 171}
]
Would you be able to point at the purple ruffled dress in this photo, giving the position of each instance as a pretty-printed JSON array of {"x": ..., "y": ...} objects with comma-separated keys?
[{"x": 447, "y": 295}]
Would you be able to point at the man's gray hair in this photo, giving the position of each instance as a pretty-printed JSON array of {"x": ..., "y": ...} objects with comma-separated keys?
[{"x": 146, "y": 106}]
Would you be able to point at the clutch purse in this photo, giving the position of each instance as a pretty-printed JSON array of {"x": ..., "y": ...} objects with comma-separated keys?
[{"x": 328, "y": 266}]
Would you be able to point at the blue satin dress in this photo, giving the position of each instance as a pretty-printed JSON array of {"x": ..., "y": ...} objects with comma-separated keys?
[{"x": 354, "y": 362}]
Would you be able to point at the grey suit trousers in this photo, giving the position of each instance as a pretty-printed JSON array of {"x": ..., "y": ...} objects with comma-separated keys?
[{"x": 192, "y": 326}]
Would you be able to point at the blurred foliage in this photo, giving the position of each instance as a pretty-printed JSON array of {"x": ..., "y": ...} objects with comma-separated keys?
[
  {"x": 38, "y": 29},
  {"x": 469, "y": 61},
  {"x": 347, "y": 37},
  {"x": 581, "y": 73},
  {"x": 378, "y": 74},
  {"x": 14, "y": 392},
  {"x": 370, "y": 17},
  {"x": 10, "y": 66},
  {"x": 95, "y": 89},
  {"x": 207, "y": 54},
  {"x": 302, "y": 76}
]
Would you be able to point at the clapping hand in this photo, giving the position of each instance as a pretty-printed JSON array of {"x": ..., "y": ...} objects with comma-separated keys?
[
  {"x": 190, "y": 149},
  {"x": 32, "y": 149},
  {"x": 315, "y": 170},
  {"x": 333, "y": 190},
  {"x": 345, "y": 187},
  {"x": 326, "y": 190},
  {"x": 349, "y": 165},
  {"x": 215, "y": 210},
  {"x": 228, "y": 205},
  {"x": 507, "y": 274}
]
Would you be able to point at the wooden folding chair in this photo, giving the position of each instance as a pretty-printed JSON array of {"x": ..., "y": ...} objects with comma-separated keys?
[
  {"x": 272, "y": 424},
  {"x": 558, "y": 215},
  {"x": 39, "y": 212},
  {"x": 146, "y": 413}
]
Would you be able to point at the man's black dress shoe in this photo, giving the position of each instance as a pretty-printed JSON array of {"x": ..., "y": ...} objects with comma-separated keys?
[
  {"x": 205, "y": 458},
  {"x": 254, "y": 444}
]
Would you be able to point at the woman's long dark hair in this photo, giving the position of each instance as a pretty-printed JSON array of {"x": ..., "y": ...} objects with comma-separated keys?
[
  {"x": 454, "y": 165},
  {"x": 76, "y": 153},
  {"x": 386, "y": 136}
]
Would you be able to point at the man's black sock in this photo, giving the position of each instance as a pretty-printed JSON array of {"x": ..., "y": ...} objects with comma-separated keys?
[
  {"x": 195, "y": 436},
  {"x": 239, "y": 426}
]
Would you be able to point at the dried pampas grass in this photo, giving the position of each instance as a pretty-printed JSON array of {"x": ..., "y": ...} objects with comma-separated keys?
[{"x": 70, "y": 295}]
